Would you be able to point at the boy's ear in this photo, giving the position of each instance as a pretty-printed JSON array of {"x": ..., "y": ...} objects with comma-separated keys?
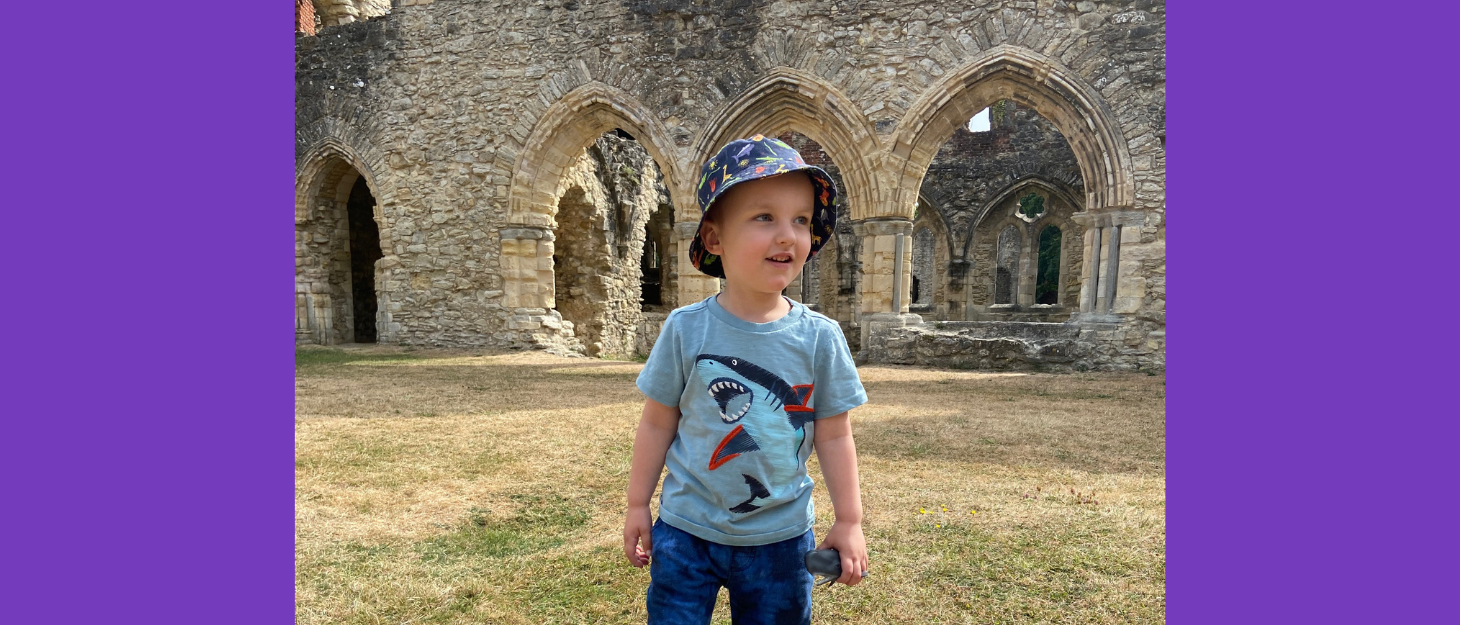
[{"x": 710, "y": 236}]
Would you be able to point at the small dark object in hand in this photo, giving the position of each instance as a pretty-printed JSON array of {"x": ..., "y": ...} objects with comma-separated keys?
[{"x": 826, "y": 565}]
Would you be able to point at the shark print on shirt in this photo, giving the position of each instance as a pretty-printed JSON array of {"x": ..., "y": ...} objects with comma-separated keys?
[{"x": 769, "y": 415}]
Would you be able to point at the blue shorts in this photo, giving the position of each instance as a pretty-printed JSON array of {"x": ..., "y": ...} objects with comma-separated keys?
[{"x": 767, "y": 583}]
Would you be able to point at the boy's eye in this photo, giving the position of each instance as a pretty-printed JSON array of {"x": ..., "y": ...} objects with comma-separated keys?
[
  {"x": 763, "y": 217},
  {"x": 803, "y": 220}
]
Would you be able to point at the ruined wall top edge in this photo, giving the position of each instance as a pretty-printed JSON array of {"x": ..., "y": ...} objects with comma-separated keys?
[{"x": 500, "y": 64}]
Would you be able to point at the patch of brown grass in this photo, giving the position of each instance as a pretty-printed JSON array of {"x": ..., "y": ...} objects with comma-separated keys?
[{"x": 438, "y": 486}]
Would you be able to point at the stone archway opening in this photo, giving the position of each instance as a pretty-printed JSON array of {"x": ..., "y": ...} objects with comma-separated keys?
[
  {"x": 364, "y": 253},
  {"x": 999, "y": 182},
  {"x": 338, "y": 250},
  {"x": 613, "y": 247}
]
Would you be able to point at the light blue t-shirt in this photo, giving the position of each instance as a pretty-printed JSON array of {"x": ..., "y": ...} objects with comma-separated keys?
[{"x": 748, "y": 395}]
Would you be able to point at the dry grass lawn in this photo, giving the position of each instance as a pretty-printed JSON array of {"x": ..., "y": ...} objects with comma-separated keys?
[{"x": 459, "y": 487}]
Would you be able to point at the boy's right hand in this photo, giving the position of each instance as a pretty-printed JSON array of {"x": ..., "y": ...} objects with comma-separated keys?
[{"x": 637, "y": 541}]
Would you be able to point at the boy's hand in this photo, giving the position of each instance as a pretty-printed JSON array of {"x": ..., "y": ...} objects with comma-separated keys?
[
  {"x": 847, "y": 539},
  {"x": 657, "y": 429},
  {"x": 637, "y": 542}
]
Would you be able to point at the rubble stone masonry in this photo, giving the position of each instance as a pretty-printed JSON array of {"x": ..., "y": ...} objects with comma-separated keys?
[{"x": 470, "y": 122}]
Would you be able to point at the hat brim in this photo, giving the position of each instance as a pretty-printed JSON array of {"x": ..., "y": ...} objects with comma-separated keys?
[{"x": 823, "y": 217}]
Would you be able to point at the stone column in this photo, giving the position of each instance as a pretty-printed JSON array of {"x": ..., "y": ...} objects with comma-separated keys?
[
  {"x": 879, "y": 240},
  {"x": 1028, "y": 269},
  {"x": 317, "y": 322},
  {"x": 692, "y": 283},
  {"x": 527, "y": 267},
  {"x": 527, "y": 291},
  {"x": 879, "y": 262},
  {"x": 1102, "y": 270},
  {"x": 386, "y": 328}
]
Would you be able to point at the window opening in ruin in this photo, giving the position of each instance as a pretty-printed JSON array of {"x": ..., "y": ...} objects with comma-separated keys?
[
  {"x": 1007, "y": 271},
  {"x": 579, "y": 259},
  {"x": 1031, "y": 206},
  {"x": 980, "y": 121},
  {"x": 312, "y": 15},
  {"x": 650, "y": 284},
  {"x": 922, "y": 262},
  {"x": 364, "y": 252},
  {"x": 1046, "y": 286}
]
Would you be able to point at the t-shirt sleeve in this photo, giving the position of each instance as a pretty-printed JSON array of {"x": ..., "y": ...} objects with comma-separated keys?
[
  {"x": 838, "y": 388},
  {"x": 662, "y": 378}
]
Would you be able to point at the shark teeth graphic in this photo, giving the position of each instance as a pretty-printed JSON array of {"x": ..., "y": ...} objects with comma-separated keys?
[{"x": 733, "y": 398}]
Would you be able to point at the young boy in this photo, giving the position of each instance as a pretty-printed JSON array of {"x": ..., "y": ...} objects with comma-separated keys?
[{"x": 741, "y": 387}]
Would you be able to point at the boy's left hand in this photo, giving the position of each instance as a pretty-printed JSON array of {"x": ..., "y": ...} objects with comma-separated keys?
[{"x": 847, "y": 539}]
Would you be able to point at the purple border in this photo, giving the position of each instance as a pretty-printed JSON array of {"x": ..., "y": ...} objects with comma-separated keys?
[
  {"x": 148, "y": 423},
  {"x": 1309, "y": 473}
]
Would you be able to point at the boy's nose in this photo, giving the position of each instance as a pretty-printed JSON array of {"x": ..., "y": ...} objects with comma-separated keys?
[{"x": 786, "y": 233}]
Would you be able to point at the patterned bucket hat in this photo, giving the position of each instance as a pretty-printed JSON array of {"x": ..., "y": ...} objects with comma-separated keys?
[{"x": 760, "y": 157}]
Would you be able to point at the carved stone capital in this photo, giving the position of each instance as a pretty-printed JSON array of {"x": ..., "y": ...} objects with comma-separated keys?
[
  {"x": 1105, "y": 217},
  {"x": 528, "y": 232},
  {"x": 877, "y": 226},
  {"x": 686, "y": 229}
]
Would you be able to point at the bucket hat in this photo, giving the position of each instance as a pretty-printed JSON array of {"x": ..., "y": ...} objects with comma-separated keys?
[{"x": 751, "y": 159}]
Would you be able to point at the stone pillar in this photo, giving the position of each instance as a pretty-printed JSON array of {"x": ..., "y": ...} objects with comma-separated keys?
[
  {"x": 879, "y": 241},
  {"x": 1102, "y": 268},
  {"x": 527, "y": 267},
  {"x": 879, "y": 262},
  {"x": 1028, "y": 269},
  {"x": 1130, "y": 282},
  {"x": 692, "y": 283},
  {"x": 527, "y": 291},
  {"x": 386, "y": 328},
  {"x": 315, "y": 321}
]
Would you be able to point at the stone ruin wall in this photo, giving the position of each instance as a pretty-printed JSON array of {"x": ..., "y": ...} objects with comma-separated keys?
[
  {"x": 609, "y": 197},
  {"x": 449, "y": 108}
]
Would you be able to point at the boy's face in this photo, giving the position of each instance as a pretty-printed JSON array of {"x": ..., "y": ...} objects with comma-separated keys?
[{"x": 761, "y": 230}]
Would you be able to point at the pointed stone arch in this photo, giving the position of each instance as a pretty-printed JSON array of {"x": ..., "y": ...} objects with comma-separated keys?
[
  {"x": 1030, "y": 79},
  {"x": 325, "y": 175},
  {"x": 320, "y": 167},
  {"x": 568, "y": 126},
  {"x": 948, "y": 267},
  {"x": 1021, "y": 184},
  {"x": 788, "y": 99},
  {"x": 558, "y": 138}
]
